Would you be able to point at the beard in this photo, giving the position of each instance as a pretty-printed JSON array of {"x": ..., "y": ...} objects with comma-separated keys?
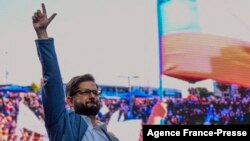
[{"x": 90, "y": 108}]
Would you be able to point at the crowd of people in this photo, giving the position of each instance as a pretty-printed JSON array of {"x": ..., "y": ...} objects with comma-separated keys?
[
  {"x": 209, "y": 110},
  {"x": 141, "y": 109},
  {"x": 9, "y": 110},
  {"x": 193, "y": 110}
]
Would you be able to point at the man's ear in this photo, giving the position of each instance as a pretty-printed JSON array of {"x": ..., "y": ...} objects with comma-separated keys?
[{"x": 69, "y": 101}]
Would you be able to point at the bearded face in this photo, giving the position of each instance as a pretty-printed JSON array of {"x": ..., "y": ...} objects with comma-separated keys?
[
  {"x": 89, "y": 107},
  {"x": 86, "y": 100}
]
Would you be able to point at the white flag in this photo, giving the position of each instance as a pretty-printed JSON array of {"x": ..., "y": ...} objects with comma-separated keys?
[{"x": 28, "y": 120}]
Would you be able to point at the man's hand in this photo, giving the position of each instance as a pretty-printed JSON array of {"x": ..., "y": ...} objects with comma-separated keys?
[{"x": 41, "y": 22}]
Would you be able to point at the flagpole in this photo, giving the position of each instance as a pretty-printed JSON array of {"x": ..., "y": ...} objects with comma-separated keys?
[{"x": 160, "y": 89}]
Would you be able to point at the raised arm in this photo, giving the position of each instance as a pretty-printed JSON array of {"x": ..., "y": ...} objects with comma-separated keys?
[{"x": 53, "y": 92}]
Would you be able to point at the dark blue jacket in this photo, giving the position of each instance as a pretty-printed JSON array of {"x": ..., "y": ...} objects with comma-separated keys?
[{"x": 61, "y": 125}]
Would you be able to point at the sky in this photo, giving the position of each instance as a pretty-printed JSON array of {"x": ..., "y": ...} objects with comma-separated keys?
[{"x": 111, "y": 39}]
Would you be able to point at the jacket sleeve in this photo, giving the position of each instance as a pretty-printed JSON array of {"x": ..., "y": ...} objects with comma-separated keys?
[{"x": 53, "y": 91}]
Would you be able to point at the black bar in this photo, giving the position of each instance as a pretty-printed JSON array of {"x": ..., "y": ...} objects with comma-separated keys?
[{"x": 163, "y": 132}]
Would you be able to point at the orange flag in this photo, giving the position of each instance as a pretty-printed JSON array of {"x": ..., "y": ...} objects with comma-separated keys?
[{"x": 197, "y": 56}]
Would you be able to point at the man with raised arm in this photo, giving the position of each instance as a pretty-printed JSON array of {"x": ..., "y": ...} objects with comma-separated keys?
[{"x": 82, "y": 94}]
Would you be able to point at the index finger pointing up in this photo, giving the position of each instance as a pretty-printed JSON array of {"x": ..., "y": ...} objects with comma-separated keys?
[{"x": 44, "y": 9}]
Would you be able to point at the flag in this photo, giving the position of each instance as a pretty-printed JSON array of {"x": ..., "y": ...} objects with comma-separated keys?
[
  {"x": 28, "y": 120},
  {"x": 205, "y": 40}
]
